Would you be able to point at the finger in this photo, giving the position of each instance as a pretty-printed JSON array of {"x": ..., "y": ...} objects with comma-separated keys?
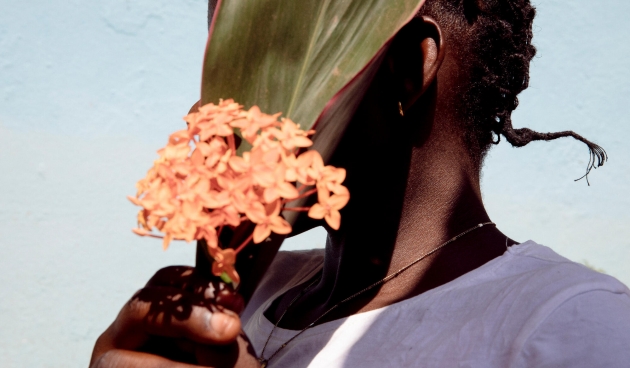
[
  {"x": 172, "y": 313},
  {"x": 130, "y": 359}
]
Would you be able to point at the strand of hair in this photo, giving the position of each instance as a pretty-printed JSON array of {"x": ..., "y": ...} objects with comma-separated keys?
[{"x": 523, "y": 136}]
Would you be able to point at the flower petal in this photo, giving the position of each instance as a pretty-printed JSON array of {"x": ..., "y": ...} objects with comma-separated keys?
[
  {"x": 279, "y": 225},
  {"x": 231, "y": 216},
  {"x": 271, "y": 194},
  {"x": 197, "y": 157},
  {"x": 261, "y": 232},
  {"x": 333, "y": 218},
  {"x": 167, "y": 241},
  {"x": 229, "y": 256},
  {"x": 256, "y": 213},
  {"x": 134, "y": 200},
  {"x": 238, "y": 164},
  {"x": 287, "y": 190},
  {"x": 301, "y": 142},
  {"x": 210, "y": 235},
  {"x": 337, "y": 201},
  {"x": 217, "y": 270},
  {"x": 141, "y": 232},
  {"x": 317, "y": 212},
  {"x": 323, "y": 194}
]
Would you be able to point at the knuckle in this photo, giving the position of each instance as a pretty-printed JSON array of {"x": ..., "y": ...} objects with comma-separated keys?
[{"x": 135, "y": 307}]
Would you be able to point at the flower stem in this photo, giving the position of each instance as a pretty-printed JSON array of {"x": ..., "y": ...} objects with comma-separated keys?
[
  {"x": 297, "y": 209},
  {"x": 303, "y": 187},
  {"x": 232, "y": 144},
  {"x": 240, "y": 247},
  {"x": 304, "y": 195}
]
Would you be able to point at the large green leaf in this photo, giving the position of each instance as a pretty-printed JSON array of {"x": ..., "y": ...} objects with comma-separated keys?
[{"x": 310, "y": 59}]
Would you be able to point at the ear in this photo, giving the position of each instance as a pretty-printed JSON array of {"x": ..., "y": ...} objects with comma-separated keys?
[{"x": 415, "y": 56}]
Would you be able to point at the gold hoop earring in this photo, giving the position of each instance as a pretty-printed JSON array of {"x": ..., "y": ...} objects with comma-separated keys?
[{"x": 400, "y": 109}]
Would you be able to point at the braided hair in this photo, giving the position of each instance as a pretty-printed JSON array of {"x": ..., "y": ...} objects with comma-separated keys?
[{"x": 493, "y": 41}]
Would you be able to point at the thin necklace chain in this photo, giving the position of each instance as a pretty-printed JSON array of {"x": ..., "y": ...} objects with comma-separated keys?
[{"x": 264, "y": 361}]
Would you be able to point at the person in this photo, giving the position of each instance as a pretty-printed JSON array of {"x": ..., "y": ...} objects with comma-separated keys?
[{"x": 413, "y": 154}]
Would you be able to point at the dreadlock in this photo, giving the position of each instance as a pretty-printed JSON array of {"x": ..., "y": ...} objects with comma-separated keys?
[{"x": 494, "y": 42}]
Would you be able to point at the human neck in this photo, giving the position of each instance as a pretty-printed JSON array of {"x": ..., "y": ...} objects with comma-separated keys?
[
  {"x": 440, "y": 201},
  {"x": 384, "y": 231},
  {"x": 413, "y": 186}
]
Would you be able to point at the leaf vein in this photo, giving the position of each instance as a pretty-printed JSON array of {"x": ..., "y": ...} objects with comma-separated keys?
[{"x": 311, "y": 46}]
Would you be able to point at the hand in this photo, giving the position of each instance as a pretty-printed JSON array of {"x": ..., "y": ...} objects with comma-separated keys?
[{"x": 177, "y": 320}]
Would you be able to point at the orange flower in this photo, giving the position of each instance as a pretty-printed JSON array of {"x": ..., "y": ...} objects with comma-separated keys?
[
  {"x": 224, "y": 260},
  {"x": 331, "y": 179},
  {"x": 257, "y": 165},
  {"x": 226, "y": 215},
  {"x": 280, "y": 188},
  {"x": 292, "y": 136},
  {"x": 177, "y": 147},
  {"x": 252, "y": 121},
  {"x": 328, "y": 207},
  {"x": 267, "y": 219},
  {"x": 199, "y": 184},
  {"x": 213, "y": 151},
  {"x": 213, "y": 120},
  {"x": 306, "y": 168},
  {"x": 237, "y": 191}
]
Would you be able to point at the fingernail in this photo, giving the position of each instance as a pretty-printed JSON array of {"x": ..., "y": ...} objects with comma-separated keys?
[{"x": 220, "y": 322}]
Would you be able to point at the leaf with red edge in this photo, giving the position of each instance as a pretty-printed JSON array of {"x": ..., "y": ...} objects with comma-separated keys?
[{"x": 310, "y": 59}]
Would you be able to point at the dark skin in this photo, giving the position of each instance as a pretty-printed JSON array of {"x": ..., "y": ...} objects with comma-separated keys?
[{"x": 412, "y": 178}]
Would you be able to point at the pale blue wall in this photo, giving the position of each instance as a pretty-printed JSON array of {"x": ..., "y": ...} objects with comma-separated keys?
[{"x": 89, "y": 90}]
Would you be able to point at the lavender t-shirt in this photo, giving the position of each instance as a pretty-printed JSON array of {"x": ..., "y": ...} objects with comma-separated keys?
[{"x": 529, "y": 307}]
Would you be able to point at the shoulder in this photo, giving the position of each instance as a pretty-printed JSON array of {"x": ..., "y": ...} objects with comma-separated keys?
[
  {"x": 588, "y": 330},
  {"x": 528, "y": 308},
  {"x": 576, "y": 316},
  {"x": 537, "y": 270},
  {"x": 532, "y": 279}
]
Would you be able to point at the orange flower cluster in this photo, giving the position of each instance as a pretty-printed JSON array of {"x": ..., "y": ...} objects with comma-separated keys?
[{"x": 199, "y": 184}]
